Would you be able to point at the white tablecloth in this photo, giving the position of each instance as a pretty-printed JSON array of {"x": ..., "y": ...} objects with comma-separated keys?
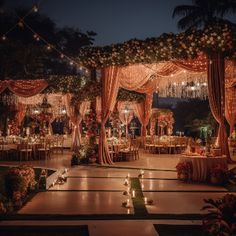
[{"x": 202, "y": 165}]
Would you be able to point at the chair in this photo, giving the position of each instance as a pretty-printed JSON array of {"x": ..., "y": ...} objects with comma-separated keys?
[
  {"x": 58, "y": 144},
  {"x": 44, "y": 150},
  {"x": 25, "y": 151}
]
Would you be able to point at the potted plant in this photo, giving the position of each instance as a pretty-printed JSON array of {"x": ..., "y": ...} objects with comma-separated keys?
[
  {"x": 184, "y": 170},
  {"x": 220, "y": 219},
  {"x": 218, "y": 175}
]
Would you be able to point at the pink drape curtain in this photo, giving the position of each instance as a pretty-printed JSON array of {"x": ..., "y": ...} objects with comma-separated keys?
[
  {"x": 24, "y": 88},
  {"x": 110, "y": 87},
  {"x": 216, "y": 88},
  {"x": 98, "y": 109},
  {"x": 143, "y": 112},
  {"x": 230, "y": 107},
  {"x": 74, "y": 117}
]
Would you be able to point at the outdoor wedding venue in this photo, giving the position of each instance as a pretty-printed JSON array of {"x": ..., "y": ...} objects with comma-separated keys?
[{"x": 118, "y": 118}]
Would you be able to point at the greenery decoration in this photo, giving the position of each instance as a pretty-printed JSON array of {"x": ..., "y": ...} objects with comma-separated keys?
[
  {"x": 126, "y": 95},
  {"x": 220, "y": 37}
]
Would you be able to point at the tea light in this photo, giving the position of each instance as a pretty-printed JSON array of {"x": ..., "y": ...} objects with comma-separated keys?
[
  {"x": 128, "y": 203},
  {"x": 145, "y": 200},
  {"x": 133, "y": 193}
]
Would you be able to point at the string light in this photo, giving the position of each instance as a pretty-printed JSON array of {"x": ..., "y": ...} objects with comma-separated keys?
[
  {"x": 21, "y": 23},
  {"x": 35, "y": 8}
]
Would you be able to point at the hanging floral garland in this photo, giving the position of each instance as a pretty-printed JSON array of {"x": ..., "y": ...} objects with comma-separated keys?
[
  {"x": 126, "y": 95},
  {"x": 219, "y": 37}
]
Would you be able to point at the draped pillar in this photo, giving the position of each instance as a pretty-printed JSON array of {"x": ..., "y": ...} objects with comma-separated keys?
[
  {"x": 74, "y": 117},
  {"x": 230, "y": 107},
  {"x": 110, "y": 87},
  {"x": 216, "y": 93}
]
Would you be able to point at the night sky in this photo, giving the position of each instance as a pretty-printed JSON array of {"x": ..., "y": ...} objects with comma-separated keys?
[{"x": 114, "y": 21}]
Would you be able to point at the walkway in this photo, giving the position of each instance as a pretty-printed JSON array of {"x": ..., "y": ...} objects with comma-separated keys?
[{"x": 93, "y": 195}]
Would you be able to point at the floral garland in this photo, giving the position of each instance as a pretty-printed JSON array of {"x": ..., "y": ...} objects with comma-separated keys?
[
  {"x": 126, "y": 95},
  {"x": 219, "y": 37},
  {"x": 91, "y": 125}
]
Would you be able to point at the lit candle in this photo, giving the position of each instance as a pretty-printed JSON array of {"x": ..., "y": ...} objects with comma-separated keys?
[
  {"x": 142, "y": 186},
  {"x": 126, "y": 182},
  {"x": 65, "y": 170},
  {"x": 128, "y": 190},
  {"x": 128, "y": 175},
  {"x": 145, "y": 200},
  {"x": 133, "y": 193},
  {"x": 128, "y": 211},
  {"x": 142, "y": 172},
  {"x": 127, "y": 203}
]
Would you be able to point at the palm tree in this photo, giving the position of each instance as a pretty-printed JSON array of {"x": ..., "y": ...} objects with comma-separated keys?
[{"x": 203, "y": 12}]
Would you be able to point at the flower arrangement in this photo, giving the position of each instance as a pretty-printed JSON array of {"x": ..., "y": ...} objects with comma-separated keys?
[
  {"x": 184, "y": 170},
  {"x": 219, "y": 37},
  {"x": 91, "y": 124},
  {"x": 18, "y": 182},
  {"x": 220, "y": 219},
  {"x": 13, "y": 128},
  {"x": 218, "y": 174}
]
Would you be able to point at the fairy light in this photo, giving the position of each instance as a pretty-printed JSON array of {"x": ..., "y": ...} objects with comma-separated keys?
[
  {"x": 35, "y": 8},
  {"x": 4, "y": 37}
]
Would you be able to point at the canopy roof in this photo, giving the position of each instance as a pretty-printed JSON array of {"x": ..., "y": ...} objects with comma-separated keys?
[{"x": 220, "y": 37}]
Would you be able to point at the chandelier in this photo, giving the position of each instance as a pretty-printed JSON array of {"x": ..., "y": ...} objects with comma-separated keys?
[{"x": 185, "y": 89}]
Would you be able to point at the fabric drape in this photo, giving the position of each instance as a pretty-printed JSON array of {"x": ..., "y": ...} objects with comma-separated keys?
[
  {"x": 110, "y": 87},
  {"x": 230, "y": 107},
  {"x": 21, "y": 110},
  {"x": 24, "y": 88},
  {"x": 216, "y": 92},
  {"x": 74, "y": 117}
]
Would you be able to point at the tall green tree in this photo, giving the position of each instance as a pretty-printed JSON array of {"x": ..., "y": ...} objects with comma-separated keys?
[
  {"x": 23, "y": 56},
  {"x": 203, "y": 12}
]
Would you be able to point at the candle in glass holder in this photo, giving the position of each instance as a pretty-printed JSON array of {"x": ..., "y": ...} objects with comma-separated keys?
[
  {"x": 128, "y": 203},
  {"x": 145, "y": 200},
  {"x": 133, "y": 193}
]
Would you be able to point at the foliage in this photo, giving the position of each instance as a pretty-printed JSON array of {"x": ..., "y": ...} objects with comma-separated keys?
[
  {"x": 219, "y": 172},
  {"x": 22, "y": 56},
  {"x": 184, "y": 168},
  {"x": 221, "y": 217},
  {"x": 202, "y": 13},
  {"x": 19, "y": 181},
  {"x": 126, "y": 95},
  {"x": 91, "y": 125},
  {"x": 220, "y": 37}
]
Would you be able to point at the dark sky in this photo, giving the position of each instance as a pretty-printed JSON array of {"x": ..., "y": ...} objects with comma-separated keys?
[{"x": 113, "y": 20}]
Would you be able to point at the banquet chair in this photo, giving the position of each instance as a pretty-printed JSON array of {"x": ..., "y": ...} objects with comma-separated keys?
[
  {"x": 44, "y": 150},
  {"x": 25, "y": 151},
  {"x": 57, "y": 144}
]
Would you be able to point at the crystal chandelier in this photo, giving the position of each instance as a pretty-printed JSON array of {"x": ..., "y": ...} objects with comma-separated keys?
[{"x": 185, "y": 89}]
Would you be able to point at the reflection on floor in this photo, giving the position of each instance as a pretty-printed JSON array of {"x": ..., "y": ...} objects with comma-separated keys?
[{"x": 98, "y": 190}]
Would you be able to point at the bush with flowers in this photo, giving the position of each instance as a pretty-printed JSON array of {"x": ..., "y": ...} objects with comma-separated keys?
[
  {"x": 19, "y": 181},
  {"x": 218, "y": 174},
  {"x": 221, "y": 217},
  {"x": 184, "y": 170}
]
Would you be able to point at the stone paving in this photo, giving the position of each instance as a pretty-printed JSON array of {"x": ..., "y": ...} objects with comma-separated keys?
[{"x": 94, "y": 191}]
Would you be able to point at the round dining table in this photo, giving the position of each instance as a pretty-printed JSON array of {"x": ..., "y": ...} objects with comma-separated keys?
[{"x": 203, "y": 165}]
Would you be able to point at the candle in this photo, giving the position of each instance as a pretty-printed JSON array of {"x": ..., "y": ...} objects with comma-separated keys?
[
  {"x": 127, "y": 203},
  {"x": 128, "y": 175},
  {"x": 145, "y": 200},
  {"x": 126, "y": 182},
  {"x": 142, "y": 172},
  {"x": 128, "y": 190},
  {"x": 133, "y": 193}
]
